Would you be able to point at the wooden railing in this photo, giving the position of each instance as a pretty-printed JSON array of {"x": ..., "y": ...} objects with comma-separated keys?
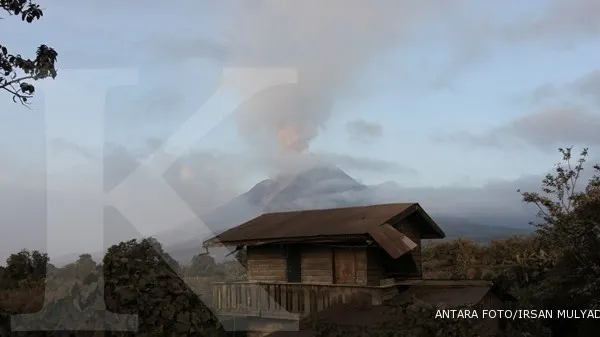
[{"x": 289, "y": 300}]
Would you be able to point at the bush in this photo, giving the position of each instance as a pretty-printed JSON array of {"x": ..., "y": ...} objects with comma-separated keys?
[{"x": 139, "y": 279}]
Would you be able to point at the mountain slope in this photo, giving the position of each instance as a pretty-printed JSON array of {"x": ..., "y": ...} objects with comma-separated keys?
[
  {"x": 320, "y": 186},
  {"x": 317, "y": 187}
]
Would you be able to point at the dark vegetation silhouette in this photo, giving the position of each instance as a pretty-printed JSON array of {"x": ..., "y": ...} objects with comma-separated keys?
[
  {"x": 557, "y": 267},
  {"x": 17, "y": 72}
]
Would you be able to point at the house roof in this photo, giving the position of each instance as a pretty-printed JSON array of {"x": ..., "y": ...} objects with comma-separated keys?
[
  {"x": 391, "y": 240},
  {"x": 348, "y": 221}
]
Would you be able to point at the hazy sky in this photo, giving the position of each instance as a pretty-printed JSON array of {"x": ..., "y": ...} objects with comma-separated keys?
[{"x": 436, "y": 95}]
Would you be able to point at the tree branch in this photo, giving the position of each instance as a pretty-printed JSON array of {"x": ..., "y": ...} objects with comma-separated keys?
[
  {"x": 16, "y": 80},
  {"x": 17, "y": 95}
]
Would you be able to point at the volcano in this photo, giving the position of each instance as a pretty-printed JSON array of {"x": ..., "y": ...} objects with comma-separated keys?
[{"x": 317, "y": 187}]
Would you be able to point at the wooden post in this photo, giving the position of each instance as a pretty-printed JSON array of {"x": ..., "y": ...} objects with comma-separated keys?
[
  {"x": 307, "y": 301},
  {"x": 284, "y": 295}
]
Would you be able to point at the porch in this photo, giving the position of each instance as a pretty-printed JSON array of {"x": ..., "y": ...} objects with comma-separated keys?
[{"x": 282, "y": 300}]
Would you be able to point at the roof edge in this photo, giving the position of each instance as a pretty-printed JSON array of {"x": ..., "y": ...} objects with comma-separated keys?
[
  {"x": 440, "y": 233},
  {"x": 215, "y": 242}
]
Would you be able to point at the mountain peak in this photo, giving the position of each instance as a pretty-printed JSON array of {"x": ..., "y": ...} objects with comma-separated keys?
[
  {"x": 318, "y": 186},
  {"x": 388, "y": 185}
]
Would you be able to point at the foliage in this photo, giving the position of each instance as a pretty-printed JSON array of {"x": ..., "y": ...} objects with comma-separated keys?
[
  {"x": 414, "y": 319},
  {"x": 242, "y": 257},
  {"x": 232, "y": 271},
  {"x": 16, "y": 71},
  {"x": 564, "y": 271},
  {"x": 466, "y": 259},
  {"x": 202, "y": 265},
  {"x": 556, "y": 268},
  {"x": 24, "y": 266},
  {"x": 139, "y": 278}
]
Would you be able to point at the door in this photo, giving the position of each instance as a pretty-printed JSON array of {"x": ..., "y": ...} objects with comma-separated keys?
[{"x": 344, "y": 266}]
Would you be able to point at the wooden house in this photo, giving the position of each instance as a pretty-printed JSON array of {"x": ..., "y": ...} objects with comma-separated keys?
[{"x": 302, "y": 262}]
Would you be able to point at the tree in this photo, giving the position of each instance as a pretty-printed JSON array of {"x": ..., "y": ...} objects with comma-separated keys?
[
  {"x": 242, "y": 257},
  {"x": 564, "y": 272},
  {"x": 140, "y": 278},
  {"x": 202, "y": 265},
  {"x": 24, "y": 266},
  {"x": 17, "y": 72}
]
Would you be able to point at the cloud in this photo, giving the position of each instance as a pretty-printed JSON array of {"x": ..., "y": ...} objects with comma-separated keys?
[
  {"x": 330, "y": 44},
  {"x": 61, "y": 145},
  {"x": 365, "y": 164},
  {"x": 589, "y": 85},
  {"x": 559, "y": 19},
  {"x": 496, "y": 203},
  {"x": 212, "y": 179},
  {"x": 540, "y": 94},
  {"x": 472, "y": 41},
  {"x": 203, "y": 179},
  {"x": 362, "y": 131},
  {"x": 545, "y": 129},
  {"x": 554, "y": 125},
  {"x": 555, "y": 24},
  {"x": 584, "y": 87},
  {"x": 206, "y": 48}
]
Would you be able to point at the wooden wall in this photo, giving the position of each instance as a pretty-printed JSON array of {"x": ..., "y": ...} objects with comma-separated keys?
[
  {"x": 334, "y": 265},
  {"x": 410, "y": 228},
  {"x": 360, "y": 256},
  {"x": 267, "y": 263},
  {"x": 350, "y": 265},
  {"x": 317, "y": 264},
  {"x": 374, "y": 267},
  {"x": 329, "y": 265},
  {"x": 409, "y": 266}
]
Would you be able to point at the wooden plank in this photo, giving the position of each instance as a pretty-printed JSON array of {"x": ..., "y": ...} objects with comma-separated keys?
[
  {"x": 264, "y": 299},
  {"x": 320, "y": 300},
  {"x": 269, "y": 297},
  {"x": 374, "y": 269},
  {"x": 411, "y": 229},
  {"x": 282, "y": 299},
  {"x": 266, "y": 263},
  {"x": 345, "y": 266},
  {"x": 249, "y": 297},
  {"x": 360, "y": 256},
  {"x": 234, "y": 297},
  {"x": 294, "y": 299},
  {"x": 317, "y": 265},
  {"x": 255, "y": 298}
]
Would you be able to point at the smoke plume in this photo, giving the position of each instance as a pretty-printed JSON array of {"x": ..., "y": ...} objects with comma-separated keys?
[{"x": 328, "y": 42}]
